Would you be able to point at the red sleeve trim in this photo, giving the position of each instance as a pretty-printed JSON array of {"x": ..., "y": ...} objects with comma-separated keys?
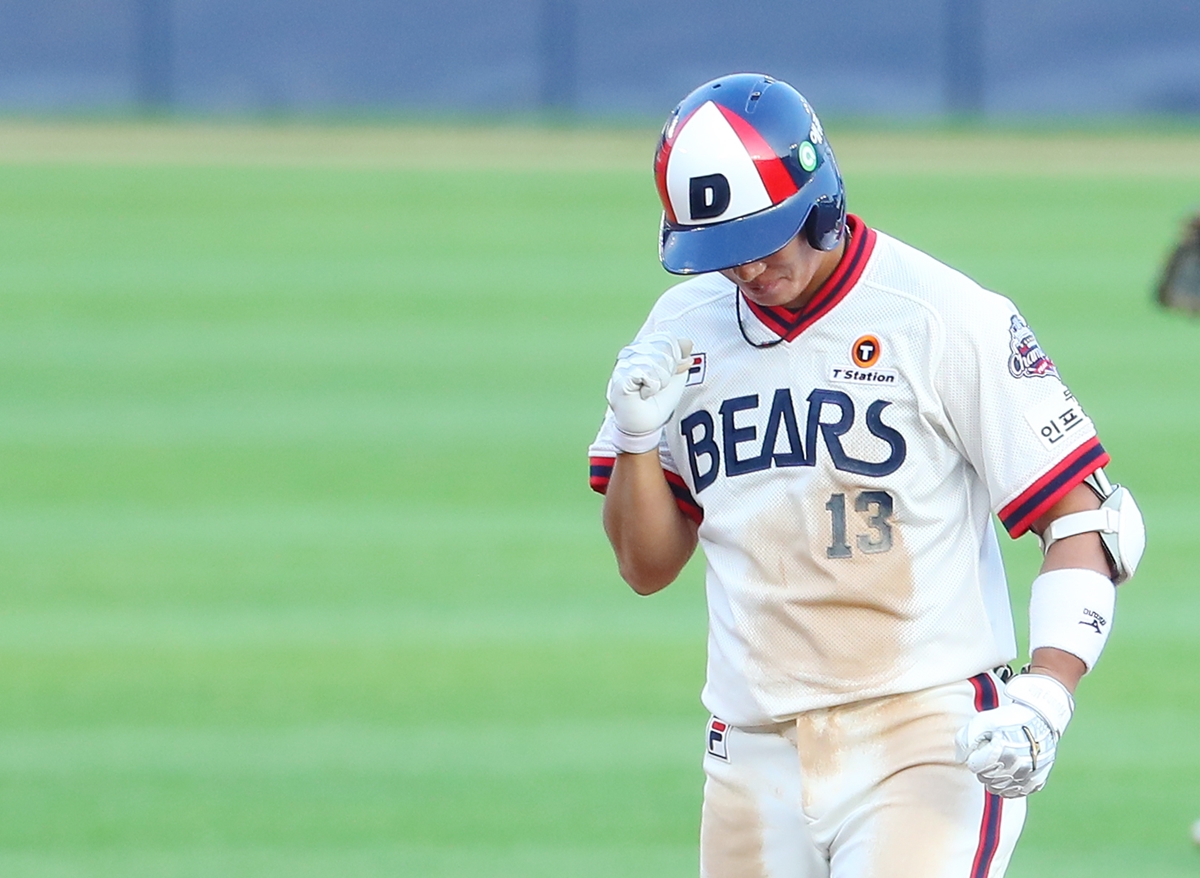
[
  {"x": 601, "y": 474},
  {"x": 1022, "y": 512},
  {"x": 683, "y": 497}
]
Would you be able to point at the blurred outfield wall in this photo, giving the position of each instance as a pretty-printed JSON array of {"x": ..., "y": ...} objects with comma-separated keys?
[{"x": 598, "y": 57}]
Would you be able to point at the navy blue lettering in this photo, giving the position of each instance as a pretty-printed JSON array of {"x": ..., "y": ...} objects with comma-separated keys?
[
  {"x": 702, "y": 445},
  {"x": 732, "y": 436},
  {"x": 899, "y": 448},
  {"x": 700, "y": 434},
  {"x": 830, "y": 432},
  {"x": 708, "y": 197},
  {"x": 783, "y": 411}
]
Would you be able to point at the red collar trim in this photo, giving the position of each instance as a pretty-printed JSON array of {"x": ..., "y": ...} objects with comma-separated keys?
[{"x": 789, "y": 324}]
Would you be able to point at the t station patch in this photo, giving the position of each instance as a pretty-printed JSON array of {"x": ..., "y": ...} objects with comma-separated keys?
[
  {"x": 865, "y": 352},
  {"x": 717, "y": 731}
]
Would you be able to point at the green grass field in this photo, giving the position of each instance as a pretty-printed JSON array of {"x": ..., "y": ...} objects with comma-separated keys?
[{"x": 299, "y": 570}]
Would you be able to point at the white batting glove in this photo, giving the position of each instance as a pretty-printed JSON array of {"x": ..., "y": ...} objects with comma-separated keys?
[
  {"x": 1012, "y": 748},
  {"x": 646, "y": 386}
]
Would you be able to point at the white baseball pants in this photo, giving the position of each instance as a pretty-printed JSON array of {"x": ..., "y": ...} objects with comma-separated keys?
[{"x": 864, "y": 790}]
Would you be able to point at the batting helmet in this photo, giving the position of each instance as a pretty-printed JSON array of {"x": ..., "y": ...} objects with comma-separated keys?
[{"x": 742, "y": 166}]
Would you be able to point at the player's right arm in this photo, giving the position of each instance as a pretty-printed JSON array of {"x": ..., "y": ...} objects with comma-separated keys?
[{"x": 650, "y": 536}]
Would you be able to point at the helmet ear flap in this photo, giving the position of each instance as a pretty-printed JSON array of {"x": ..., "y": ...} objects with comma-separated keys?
[{"x": 826, "y": 223}]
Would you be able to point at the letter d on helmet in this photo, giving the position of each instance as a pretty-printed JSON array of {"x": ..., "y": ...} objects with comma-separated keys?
[{"x": 742, "y": 166}]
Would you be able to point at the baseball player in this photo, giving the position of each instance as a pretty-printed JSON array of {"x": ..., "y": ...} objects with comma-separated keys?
[{"x": 834, "y": 416}]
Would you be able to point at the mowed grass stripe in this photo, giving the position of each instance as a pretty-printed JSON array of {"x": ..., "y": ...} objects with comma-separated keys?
[
  {"x": 428, "y": 860},
  {"x": 303, "y": 811},
  {"x": 402, "y": 684},
  {"x": 586, "y": 624},
  {"x": 491, "y": 748},
  {"x": 296, "y": 419}
]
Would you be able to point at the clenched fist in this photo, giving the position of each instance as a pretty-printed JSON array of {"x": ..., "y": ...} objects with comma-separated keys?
[
  {"x": 646, "y": 386},
  {"x": 1012, "y": 748}
]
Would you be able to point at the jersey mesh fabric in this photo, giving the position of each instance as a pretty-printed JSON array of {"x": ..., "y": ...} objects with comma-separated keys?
[{"x": 844, "y": 506}]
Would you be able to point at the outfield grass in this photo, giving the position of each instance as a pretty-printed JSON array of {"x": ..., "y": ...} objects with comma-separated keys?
[{"x": 300, "y": 572}]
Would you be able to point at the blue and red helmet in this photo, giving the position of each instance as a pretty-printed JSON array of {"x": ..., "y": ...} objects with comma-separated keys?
[{"x": 742, "y": 166}]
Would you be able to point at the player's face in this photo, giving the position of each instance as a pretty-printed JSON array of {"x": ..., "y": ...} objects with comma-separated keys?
[{"x": 788, "y": 277}]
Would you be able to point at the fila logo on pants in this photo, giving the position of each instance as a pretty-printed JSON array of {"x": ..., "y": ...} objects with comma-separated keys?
[{"x": 717, "y": 730}]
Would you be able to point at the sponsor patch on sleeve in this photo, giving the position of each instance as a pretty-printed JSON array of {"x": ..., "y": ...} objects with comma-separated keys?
[
  {"x": 1026, "y": 358},
  {"x": 1053, "y": 421}
]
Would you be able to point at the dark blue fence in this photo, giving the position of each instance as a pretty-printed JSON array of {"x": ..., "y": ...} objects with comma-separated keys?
[{"x": 598, "y": 57}]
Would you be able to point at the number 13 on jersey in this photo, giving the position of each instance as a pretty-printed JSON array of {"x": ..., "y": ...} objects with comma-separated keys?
[{"x": 876, "y": 508}]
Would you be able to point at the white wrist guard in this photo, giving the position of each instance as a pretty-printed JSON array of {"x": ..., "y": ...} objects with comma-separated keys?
[{"x": 1072, "y": 610}]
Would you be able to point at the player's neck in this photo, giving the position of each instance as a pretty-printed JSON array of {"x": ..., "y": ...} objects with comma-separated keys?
[{"x": 825, "y": 269}]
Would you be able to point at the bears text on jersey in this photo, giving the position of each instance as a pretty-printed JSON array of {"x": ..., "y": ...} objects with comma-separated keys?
[{"x": 718, "y": 443}]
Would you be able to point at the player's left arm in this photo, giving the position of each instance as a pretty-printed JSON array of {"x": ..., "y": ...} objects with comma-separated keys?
[
  {"x": 1082, "y": 551},
  {"x": 1093, "y": 538}
]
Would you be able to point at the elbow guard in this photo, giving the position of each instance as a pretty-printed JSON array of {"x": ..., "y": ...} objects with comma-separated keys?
[{"x": 1118, "y": 521}]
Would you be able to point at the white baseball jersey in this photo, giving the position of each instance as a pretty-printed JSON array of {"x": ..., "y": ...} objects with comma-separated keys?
[{"x": 844, "y": 478}]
